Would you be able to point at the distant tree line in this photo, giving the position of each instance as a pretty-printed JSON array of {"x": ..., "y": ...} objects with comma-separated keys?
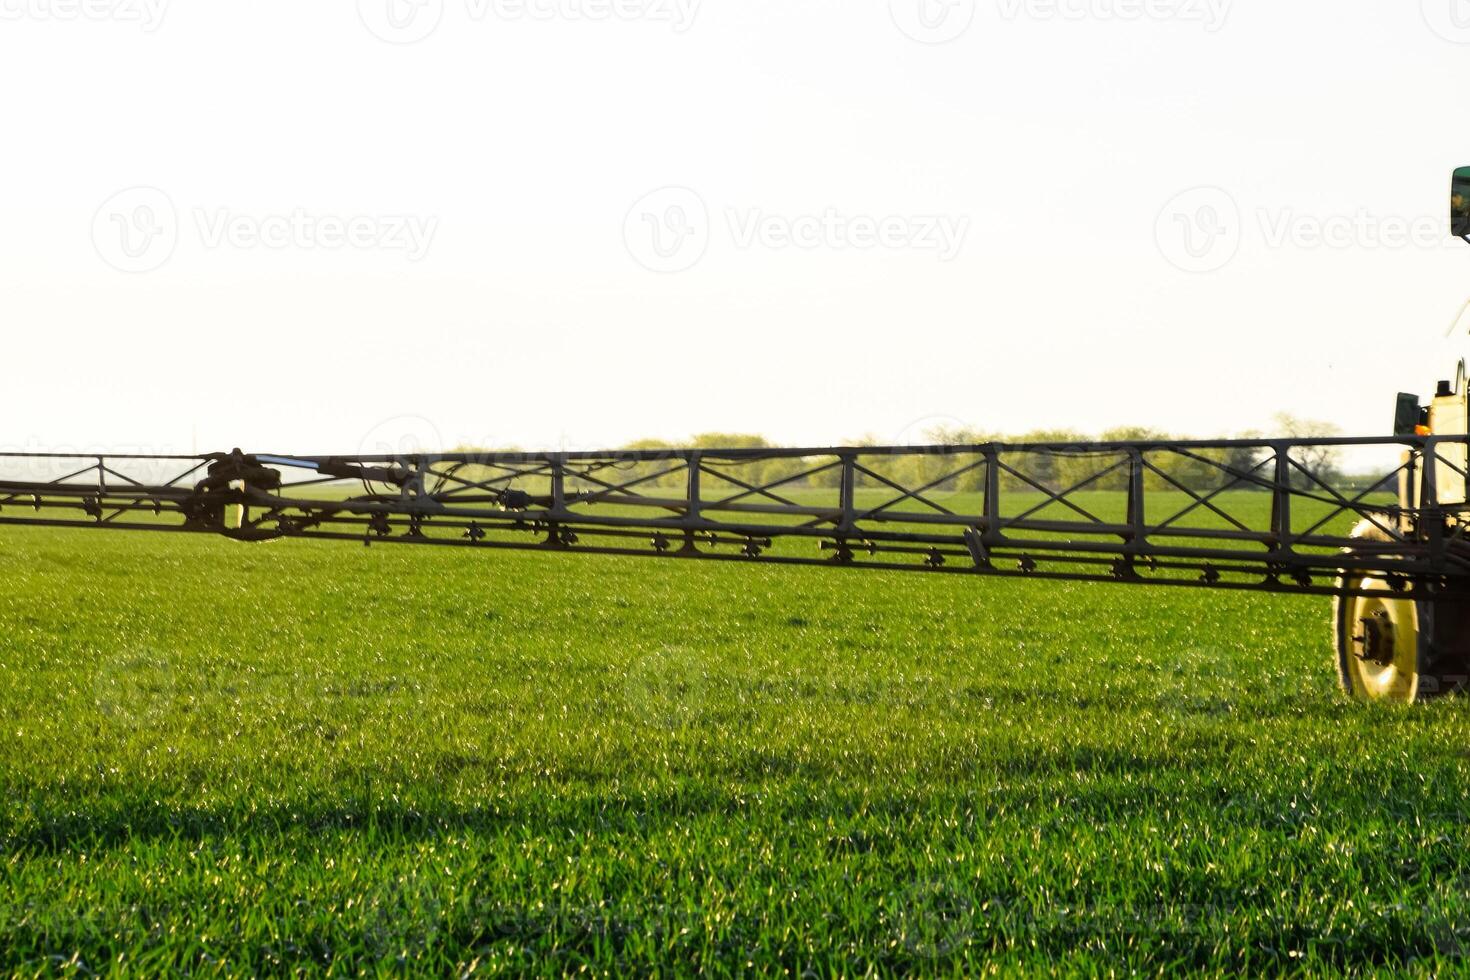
[
  {"x": 1068, "y": 465},
  {"x": 1194, "y": 469}
]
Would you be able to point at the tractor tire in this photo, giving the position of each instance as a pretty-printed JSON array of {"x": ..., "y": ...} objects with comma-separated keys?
[{"x": 1391, "y": 648}]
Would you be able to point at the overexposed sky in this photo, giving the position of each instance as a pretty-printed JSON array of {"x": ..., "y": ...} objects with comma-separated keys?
[{"x": 330, "y": 227}]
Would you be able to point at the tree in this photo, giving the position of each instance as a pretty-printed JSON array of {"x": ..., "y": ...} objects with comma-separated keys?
[{"x": 1320, "y": 461}]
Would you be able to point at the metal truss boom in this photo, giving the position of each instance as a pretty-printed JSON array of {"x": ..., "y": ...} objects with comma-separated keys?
[{"x": 1274, "y": 515}]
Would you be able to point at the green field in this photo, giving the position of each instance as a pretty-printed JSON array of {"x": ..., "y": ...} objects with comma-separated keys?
[{"x": 230, "y": 759}]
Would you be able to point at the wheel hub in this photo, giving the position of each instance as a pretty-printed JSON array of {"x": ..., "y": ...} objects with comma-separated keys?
[{"x": 1374, "y": 641}]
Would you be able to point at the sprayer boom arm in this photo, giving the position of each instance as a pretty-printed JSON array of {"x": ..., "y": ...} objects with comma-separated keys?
[{"x": 1269, "y": 515}]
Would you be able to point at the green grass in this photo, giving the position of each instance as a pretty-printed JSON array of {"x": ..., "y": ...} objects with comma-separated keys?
[{"x": 231, "y": 759}]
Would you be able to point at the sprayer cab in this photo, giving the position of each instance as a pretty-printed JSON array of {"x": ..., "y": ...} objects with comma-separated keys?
[
  {"x": 1460, "y": 203},
  {"x": 1448, "y": 411}
]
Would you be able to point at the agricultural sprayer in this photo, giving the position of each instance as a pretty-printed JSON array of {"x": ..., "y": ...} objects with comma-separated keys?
[{"x": 1390, "y": 547}]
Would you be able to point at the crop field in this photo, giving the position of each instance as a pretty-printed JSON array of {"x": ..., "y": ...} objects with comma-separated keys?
[{"x": 227, "y": 759}]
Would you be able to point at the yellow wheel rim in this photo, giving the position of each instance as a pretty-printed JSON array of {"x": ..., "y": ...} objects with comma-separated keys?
[{"x": 1381, "y": 636}]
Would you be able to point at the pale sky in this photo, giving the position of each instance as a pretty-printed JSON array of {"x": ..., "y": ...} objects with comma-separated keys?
[{"x": 322, "y": 228}]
